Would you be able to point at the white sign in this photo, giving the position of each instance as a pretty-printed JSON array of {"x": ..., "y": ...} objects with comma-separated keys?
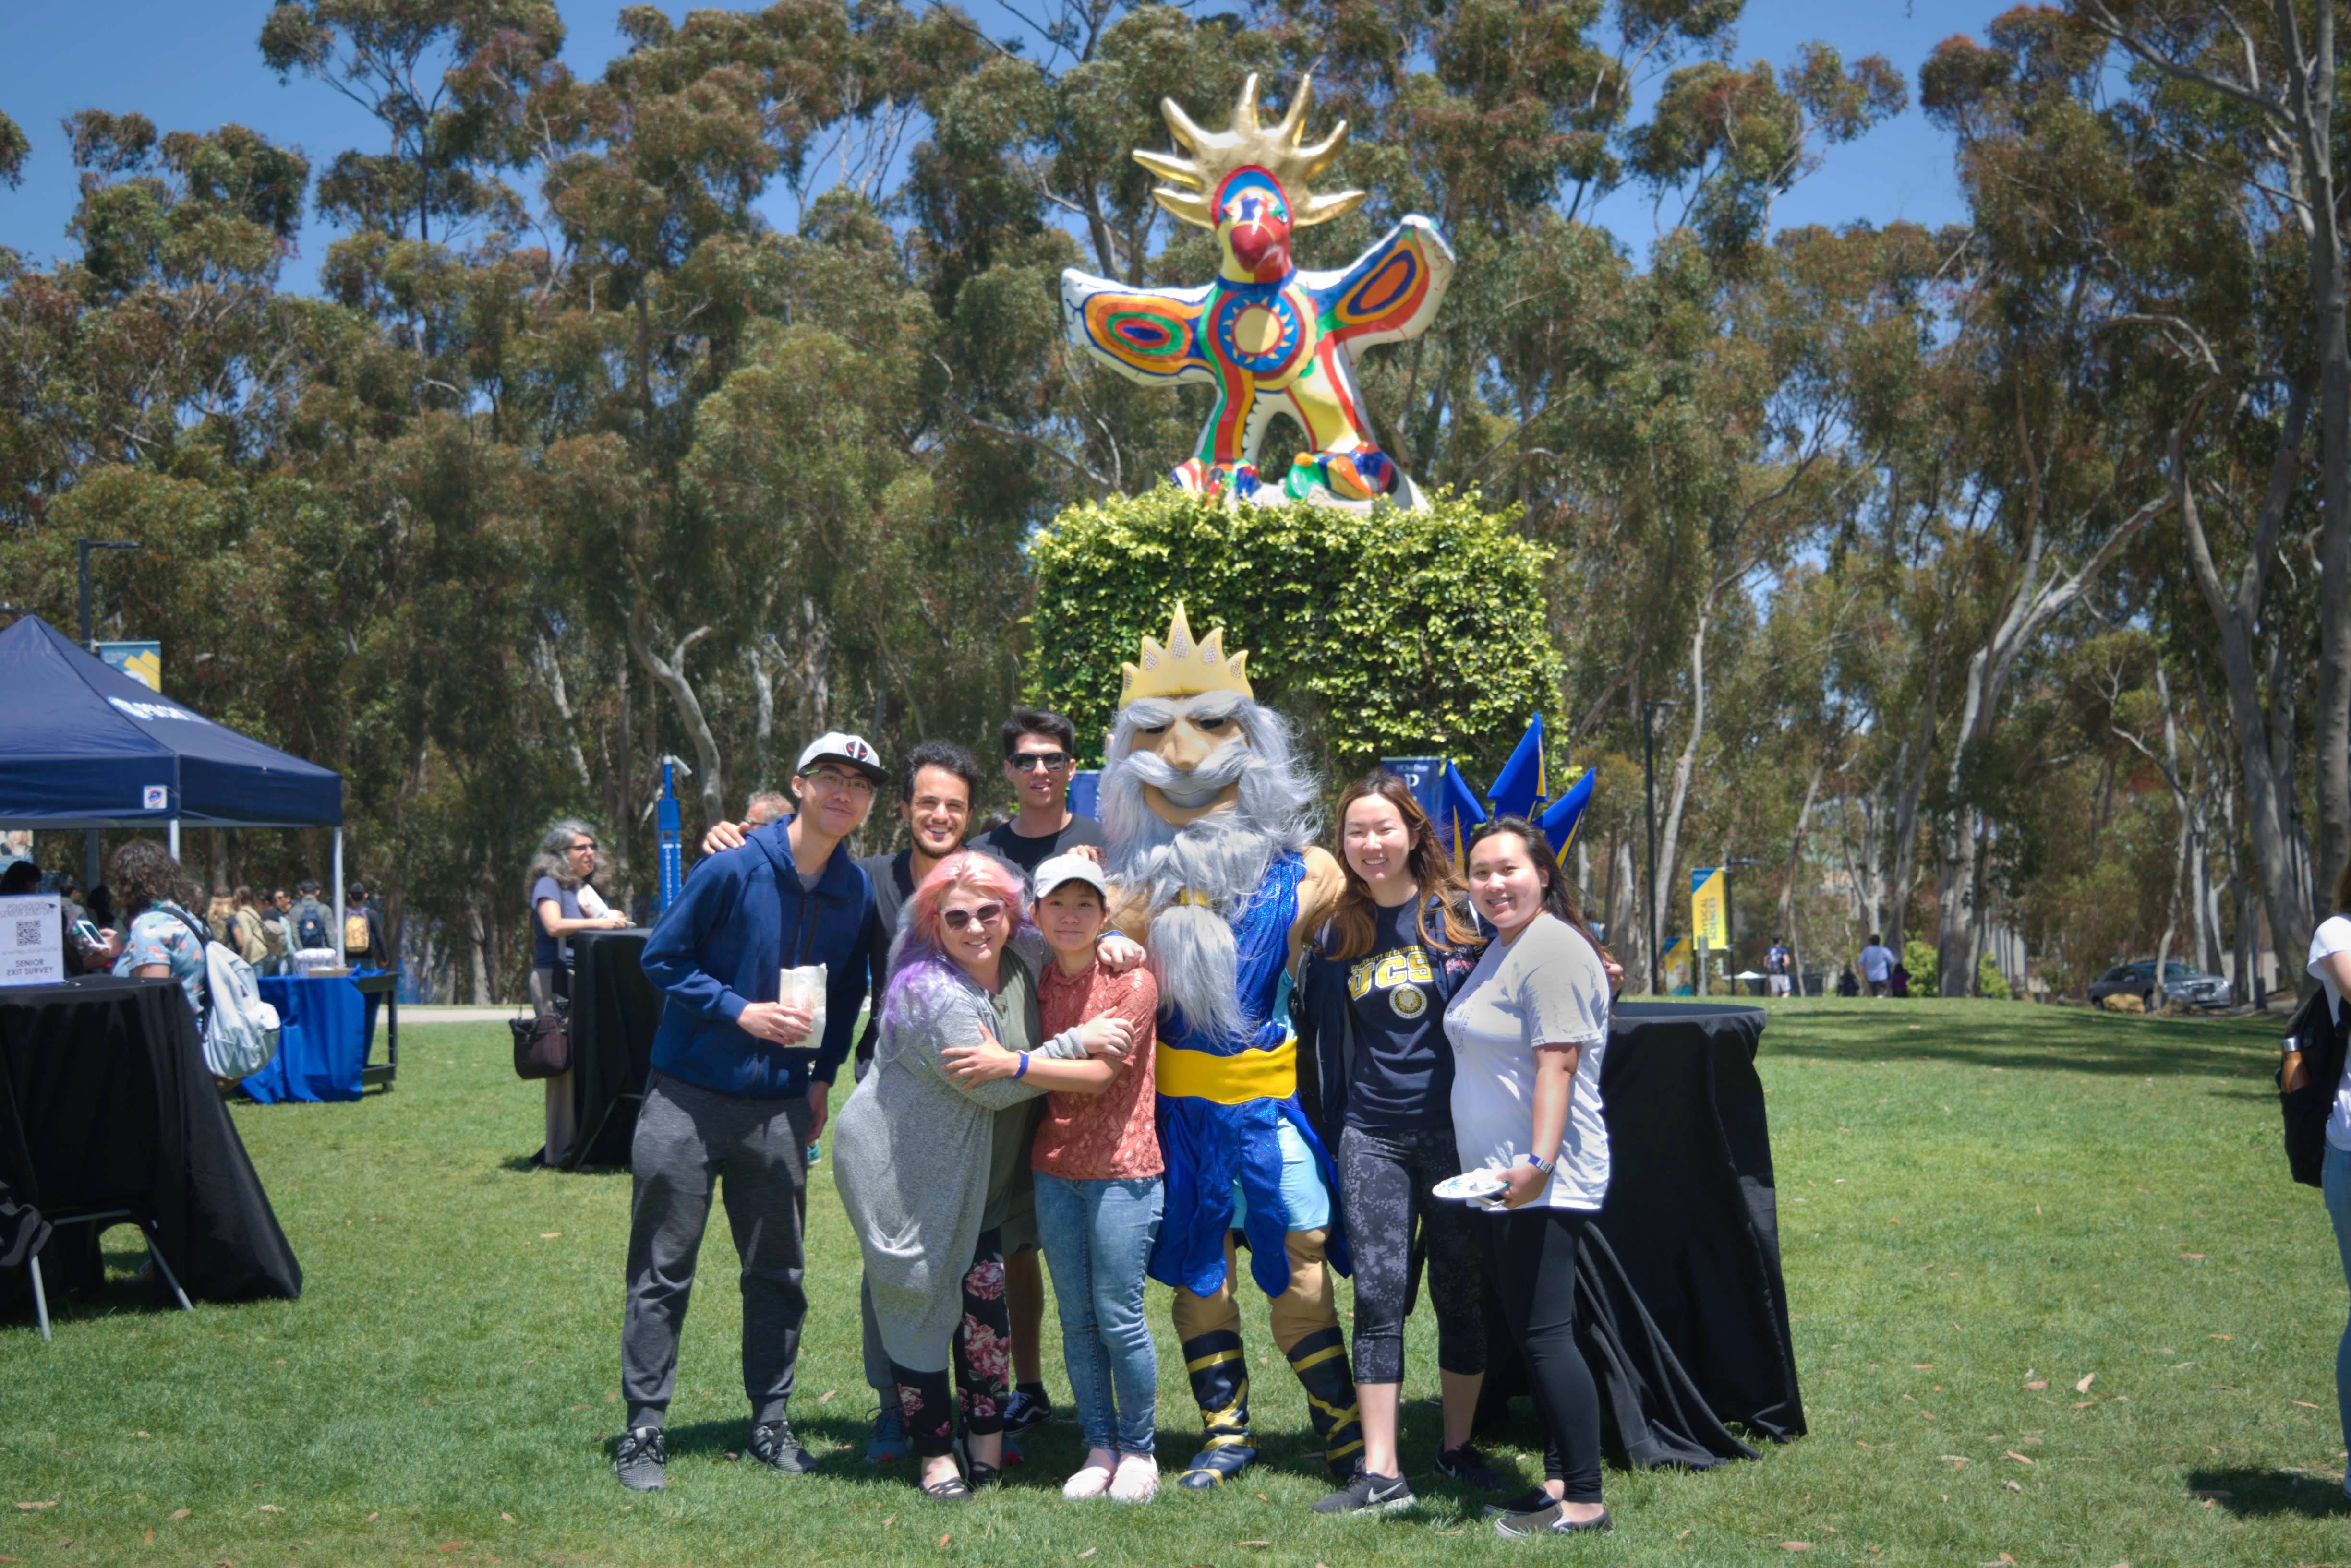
[
  {"x": 155, "y": 797},
  {"x": 32, "y": 941}
]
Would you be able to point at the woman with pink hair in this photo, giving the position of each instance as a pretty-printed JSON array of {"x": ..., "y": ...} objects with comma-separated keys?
[{"x": 928, "y": 1166}]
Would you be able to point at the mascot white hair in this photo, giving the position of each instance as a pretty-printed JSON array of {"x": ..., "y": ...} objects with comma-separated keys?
[{"x": 1209, "y": 817}]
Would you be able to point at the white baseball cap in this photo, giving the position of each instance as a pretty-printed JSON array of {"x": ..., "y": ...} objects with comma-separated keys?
[
  {"x": 838, "y": 747},
  {"x": 1057, "y": 870}
]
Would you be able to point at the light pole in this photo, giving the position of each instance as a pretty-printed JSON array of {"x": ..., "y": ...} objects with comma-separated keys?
[
  {"x": 82, "y": 548},
  {"x": 1650, "y": 705}
]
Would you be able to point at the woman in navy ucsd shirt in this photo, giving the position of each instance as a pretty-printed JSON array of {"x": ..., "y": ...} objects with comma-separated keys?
[{"x": 1375, "y": 983}]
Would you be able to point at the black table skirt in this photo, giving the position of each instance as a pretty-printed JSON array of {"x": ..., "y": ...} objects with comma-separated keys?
[
  {"x": 614, "y": 1012},
  {"x": 1681, "y": 1309},
  {"x": 105, "y": 1102}
]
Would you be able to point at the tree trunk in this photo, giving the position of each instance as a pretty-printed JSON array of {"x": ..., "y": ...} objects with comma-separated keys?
[
  {"x": 1683, "y": 767},
  {"x": 477, "y": 946},
  {"x": 2265, "y": 734},
  {"x": 562, "y": 699},
  {"x": 2031, "y": 605},
  {"x": 1795, "y": 871},
  {"x": 2311, "y": 91},
  {"x": 1911, "y": 781},
  {"x": 671, "y": 674}
]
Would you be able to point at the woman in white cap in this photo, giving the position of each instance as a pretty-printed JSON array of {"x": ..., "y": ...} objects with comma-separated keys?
[{"x": 1098, "y": 1182}]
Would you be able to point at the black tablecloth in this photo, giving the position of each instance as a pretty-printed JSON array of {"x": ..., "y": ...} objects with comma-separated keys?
[
  {"x": 1681, "y": 1310},
  {"x": 105, "y": 1102},
  {"x": 614, "y": 1011}
]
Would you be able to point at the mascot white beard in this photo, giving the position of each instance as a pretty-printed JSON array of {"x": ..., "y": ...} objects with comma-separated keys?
[{"x": 1221, "y": 855}]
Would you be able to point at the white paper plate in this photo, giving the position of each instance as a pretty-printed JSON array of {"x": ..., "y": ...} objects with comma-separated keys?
[{"x": 1472, "y": 1186}]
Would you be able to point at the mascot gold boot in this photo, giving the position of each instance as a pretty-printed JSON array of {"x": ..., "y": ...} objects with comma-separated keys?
[{"x": 1209, "y": 817}]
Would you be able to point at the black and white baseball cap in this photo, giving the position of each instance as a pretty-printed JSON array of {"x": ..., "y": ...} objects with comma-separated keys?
[{"x": 837, "y": 747}]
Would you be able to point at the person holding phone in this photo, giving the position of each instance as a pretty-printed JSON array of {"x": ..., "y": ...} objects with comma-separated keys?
[{"x": 1528, "y": 1030}]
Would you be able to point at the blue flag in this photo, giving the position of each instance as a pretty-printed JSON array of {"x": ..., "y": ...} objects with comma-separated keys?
[
  {"x": 1457, "y": 814},
  {"x": 1521, "y": 782},
  {"x": 1558, "y": 821}
]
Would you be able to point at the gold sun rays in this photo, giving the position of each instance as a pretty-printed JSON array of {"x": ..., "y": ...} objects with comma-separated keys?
[{"x": 1217, "y": 153}]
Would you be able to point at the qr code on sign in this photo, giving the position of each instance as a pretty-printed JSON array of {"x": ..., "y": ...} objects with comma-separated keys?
[{"x": 29, "y": 933}]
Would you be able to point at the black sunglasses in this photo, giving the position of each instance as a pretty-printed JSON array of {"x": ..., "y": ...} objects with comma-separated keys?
[{"x": 1030, "y": 762}]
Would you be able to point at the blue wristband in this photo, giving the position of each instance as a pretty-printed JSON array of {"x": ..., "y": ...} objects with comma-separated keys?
[{"x": 1022, "y": 1070}]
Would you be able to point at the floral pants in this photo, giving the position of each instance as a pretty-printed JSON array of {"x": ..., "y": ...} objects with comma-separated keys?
[{"x": 983, "y": 1362}]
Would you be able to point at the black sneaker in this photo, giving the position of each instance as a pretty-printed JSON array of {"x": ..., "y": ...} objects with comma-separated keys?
[
  {"x": 1534, "y": 1502},
  {"x": 641, "y": 1463},
  {"x": 1552, "y": 1521},
  {"x": 1025, "y": 1410},
  {"x": 773, "y": 1445},
  {"x": 1468, "y": 1466},
  {"x": 1368, "y": 1493}
]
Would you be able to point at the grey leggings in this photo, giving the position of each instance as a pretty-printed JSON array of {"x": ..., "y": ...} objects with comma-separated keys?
[{"x": 1385, "y": 1177}]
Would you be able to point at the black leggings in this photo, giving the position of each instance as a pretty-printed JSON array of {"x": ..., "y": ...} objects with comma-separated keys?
[
  {"x": 1385, "y": 1177},
  {"x": 1530, "y": 1257},
  {"x": 983, "y": 1353}
]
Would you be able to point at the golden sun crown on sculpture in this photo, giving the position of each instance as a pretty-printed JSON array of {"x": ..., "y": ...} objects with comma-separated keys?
[
  {"x": 1184, "y": 668},
  {"x": 1217, "y": 154}
]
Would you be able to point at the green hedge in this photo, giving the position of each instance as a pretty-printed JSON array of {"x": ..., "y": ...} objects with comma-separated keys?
[{"x": 1399, "y": 633}]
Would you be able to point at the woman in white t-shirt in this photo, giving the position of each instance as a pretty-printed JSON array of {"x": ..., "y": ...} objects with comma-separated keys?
[
  {"x": 1528, "y": 1028},
  {"x": 2330, "y": 965}
]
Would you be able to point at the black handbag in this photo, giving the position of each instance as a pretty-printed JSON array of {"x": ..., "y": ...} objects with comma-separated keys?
[
  {"x": 2320, "y": 1040},
  {"x": 542, "y": 1043}
]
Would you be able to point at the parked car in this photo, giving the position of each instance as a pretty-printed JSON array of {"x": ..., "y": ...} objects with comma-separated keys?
[{"x": 2183, "y": 985}]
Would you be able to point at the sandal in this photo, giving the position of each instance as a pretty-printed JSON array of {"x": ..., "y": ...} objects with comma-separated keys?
[
  {"x": 952, "y": 1489},
  {"x": 984, "y": 1475}
]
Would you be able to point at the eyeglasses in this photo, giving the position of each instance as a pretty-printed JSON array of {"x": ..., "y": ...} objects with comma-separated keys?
[
  {"x": 1030, "y": 762},
  {"x": 986, "y": 915},
  {"x": 837, "y": 782},
  {"x": 589, "y": 846}
]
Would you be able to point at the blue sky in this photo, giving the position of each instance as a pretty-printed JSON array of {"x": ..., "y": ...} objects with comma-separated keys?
[{"x": 193, "y": 64}]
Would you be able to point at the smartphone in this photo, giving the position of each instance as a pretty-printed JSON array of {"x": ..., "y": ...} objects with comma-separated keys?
[{"x": 88, "y": 934}]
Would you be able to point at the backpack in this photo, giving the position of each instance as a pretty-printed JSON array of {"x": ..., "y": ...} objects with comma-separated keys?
[
  {"x": 2315, "y": 1033},
  {"x": 310, "y": 925},
  {"x": 355, "y": 934},
  {"x": 240, "y": 1029}
]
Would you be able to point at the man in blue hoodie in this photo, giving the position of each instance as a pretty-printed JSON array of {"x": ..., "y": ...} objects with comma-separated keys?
[{"x": 737, "y": 1091}]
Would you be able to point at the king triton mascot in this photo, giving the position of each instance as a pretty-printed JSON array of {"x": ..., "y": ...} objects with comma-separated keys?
[{"x": 1208, "y": 817}]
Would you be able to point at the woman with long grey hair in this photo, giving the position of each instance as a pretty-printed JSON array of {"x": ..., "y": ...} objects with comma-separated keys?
[{"x": 564, "y": 868}]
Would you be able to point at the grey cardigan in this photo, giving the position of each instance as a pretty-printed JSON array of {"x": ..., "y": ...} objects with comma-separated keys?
[{"x": 912, "y": 1151}]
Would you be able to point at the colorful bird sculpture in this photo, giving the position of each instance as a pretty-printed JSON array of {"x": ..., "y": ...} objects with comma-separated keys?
[{"x": 1268, "y": 338}]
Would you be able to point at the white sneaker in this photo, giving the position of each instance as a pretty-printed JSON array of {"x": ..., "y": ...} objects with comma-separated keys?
[
  {"x": 1137, "y": 1480},
  {"x": 1092, "y": 1481}
]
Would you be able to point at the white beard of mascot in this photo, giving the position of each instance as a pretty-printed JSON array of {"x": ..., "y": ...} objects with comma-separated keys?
[{"x": 1208, "y": 818}]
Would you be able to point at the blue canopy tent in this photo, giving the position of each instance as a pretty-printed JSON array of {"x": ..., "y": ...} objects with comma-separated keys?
[{"x": 84, "y": 745}]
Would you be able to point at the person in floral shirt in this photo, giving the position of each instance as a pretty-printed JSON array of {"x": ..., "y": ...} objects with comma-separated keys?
[{"x": 160, "y": 941}]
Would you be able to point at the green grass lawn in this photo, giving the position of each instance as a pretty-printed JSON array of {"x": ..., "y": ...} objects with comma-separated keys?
[{"x": 1982, "y": 1205}]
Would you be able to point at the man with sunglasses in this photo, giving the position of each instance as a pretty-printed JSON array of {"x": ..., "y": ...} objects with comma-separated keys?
[
  {"x": 1039, "y": 758},
  {"x": 737, "y": 1091}
]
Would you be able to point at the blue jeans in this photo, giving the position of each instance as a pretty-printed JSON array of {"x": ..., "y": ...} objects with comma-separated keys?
[
  {"x": 2336, "y": 1182},
  {"x": 1097, "y": 1236}
]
